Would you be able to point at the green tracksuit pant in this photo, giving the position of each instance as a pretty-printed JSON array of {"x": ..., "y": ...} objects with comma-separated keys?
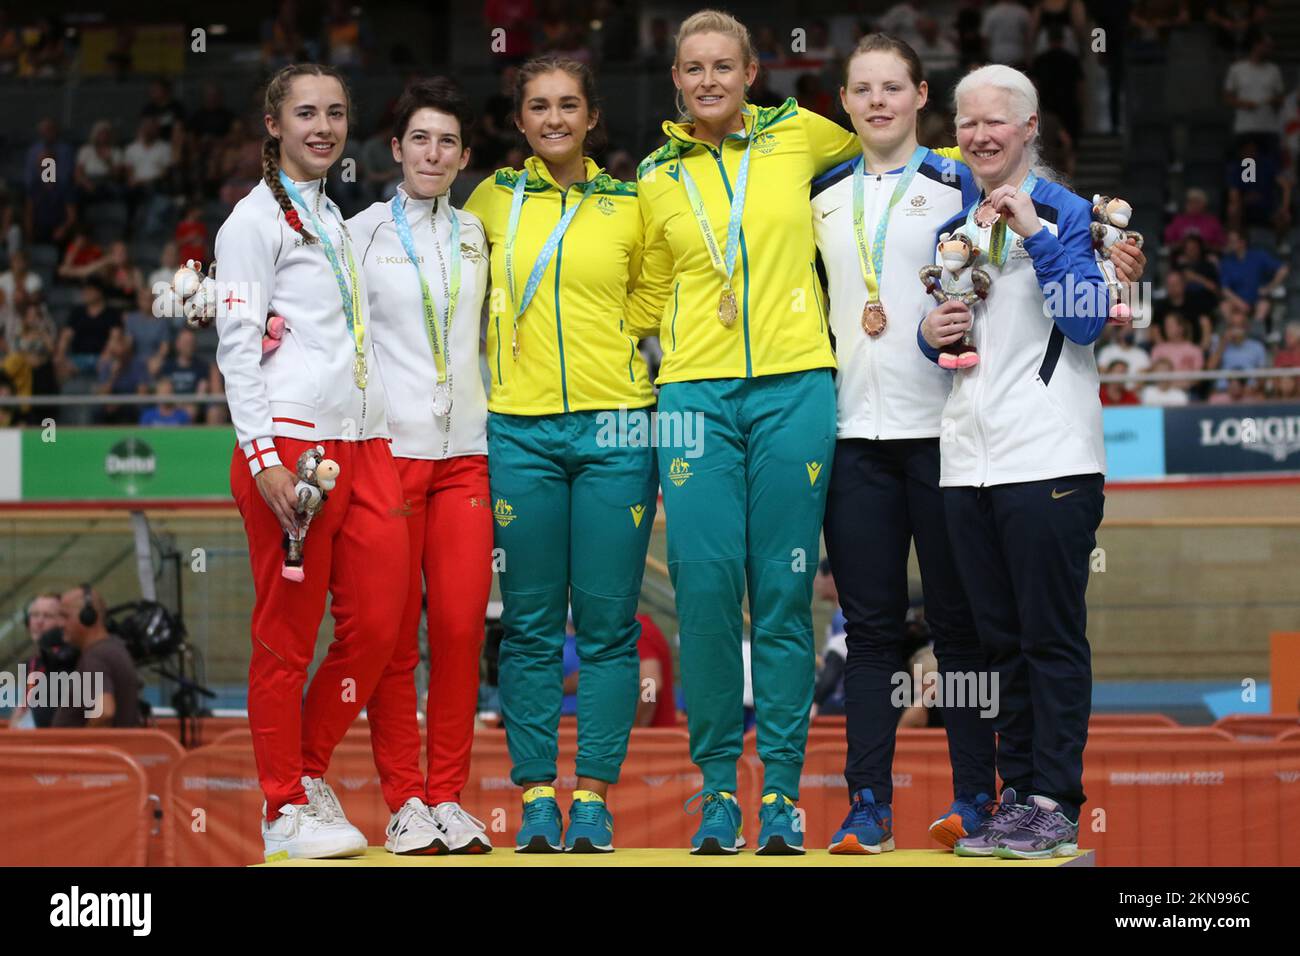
[
  {"x": 747, "y": 510},
  {"x": 572, "y": 519}
]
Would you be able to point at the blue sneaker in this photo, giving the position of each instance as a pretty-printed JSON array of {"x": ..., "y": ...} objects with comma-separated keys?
[
  {"x": 964, "y": 817},
  {"x": 780, "y": 828},
  {"x": 869, "y": 827},
  {"x": 542, "y": 822},
  {"x": 984, "y": 839},
  {"x": 591, "y": 826},
  {"x": 720, "y": 824}
]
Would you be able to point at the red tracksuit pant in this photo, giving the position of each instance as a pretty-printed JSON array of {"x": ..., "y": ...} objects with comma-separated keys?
[
  {"x": 449, "y": 528},
  {"x": 352, "y": 545}
]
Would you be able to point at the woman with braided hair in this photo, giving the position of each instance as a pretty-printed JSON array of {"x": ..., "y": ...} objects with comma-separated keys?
[{"x": 285, "y": 248}]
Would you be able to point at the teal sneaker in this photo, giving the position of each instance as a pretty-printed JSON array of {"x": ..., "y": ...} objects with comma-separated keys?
[
  {"x": 719, "y": 833},
  {"x": 780, "y": 828},
  {"x": 591, "y": 826},
  {"x": 542, "y": 823}
]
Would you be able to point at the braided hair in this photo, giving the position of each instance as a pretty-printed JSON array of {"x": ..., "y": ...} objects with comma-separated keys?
[{"x": 276, "y": 92}]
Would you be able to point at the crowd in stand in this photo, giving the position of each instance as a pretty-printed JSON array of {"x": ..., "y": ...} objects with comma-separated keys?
[{"x": 85, "y": 322}]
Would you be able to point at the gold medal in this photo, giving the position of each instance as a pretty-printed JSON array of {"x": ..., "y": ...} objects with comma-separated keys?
[
  {"x": 727, "y": 308},
  {"x": 873, "y": 318},
  {"x": 985, "y": 215},
  {"x": 359, "y": 371}
]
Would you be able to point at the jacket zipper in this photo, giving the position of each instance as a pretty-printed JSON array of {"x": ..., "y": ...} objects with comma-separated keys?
[
  {"x": 744, "y": 264},
  {"x": 559, "y": 330}
]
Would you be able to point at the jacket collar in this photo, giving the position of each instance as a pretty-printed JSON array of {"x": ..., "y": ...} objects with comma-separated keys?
[
  {"x": 684, "y": 133},
  {"x": 534, "y": 166}
]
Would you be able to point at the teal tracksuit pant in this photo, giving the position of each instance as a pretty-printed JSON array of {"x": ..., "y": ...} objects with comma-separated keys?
[
  {"x": 745, "y": 506},
  {"x": 572, "y": 519}
]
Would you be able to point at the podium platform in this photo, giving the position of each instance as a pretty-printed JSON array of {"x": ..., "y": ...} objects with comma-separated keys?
[{"x": 506, "y": 857}]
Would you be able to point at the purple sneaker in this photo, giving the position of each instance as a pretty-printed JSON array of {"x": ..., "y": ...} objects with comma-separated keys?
[
  {"x": 1042, "y": 833},
  {"x": 985, "y": 839}
]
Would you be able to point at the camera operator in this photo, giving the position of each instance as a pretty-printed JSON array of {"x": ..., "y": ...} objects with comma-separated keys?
[
  {"x": 43, "y": 614},
  {"x": 102, "y": 653}
]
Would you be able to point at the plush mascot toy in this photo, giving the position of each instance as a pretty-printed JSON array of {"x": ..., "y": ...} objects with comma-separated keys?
[
  {"x": 193, "y": 295},
  {"x": 1110, "y": 219},
  {"x": 316, "y": 478},
  {"x": 957, "y": 278}
]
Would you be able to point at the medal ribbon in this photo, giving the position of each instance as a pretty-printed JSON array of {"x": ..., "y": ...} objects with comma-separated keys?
[
  {"x": 439, "y": 335},
  {"x": 349, "y": 288},
  {"x": 872, "y": 260},
  {"x": 548, "y": 248},
  {"x": 724, "y": 266},
  {"x": 997, "y": 245}
]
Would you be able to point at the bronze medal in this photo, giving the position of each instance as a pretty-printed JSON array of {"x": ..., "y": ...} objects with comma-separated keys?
[
  {"x": 727, "y": 308},
  {"x": 873, "y": 318},
  {"x": 359, "y": 371},
  {"x": 985, "y": 215}
]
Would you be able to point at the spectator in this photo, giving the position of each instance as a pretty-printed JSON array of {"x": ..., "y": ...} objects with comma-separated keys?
[
  {"x": 1254, "y": 89},
  {"x": 148, "y": 161},
  {"x": 660, "y": 710},
  {"x": 43, "y": 54},
  {"x": 811, "y": 95},
  {"x": 282, "y": 41},
  {"x": 380, "y": 171},
  {"x": 1195, "y": 219},
  {"x": 762, "y": 94},
  {"x": 1284, "y": 388},
  {"x": 1005, "y": 29},
  {"x": 1069, "y": 16},
  {"x": 819, "y": 52},
  {"x": 1117, "y": 344},
  {"x": 166, "y": 412},
  {"x": 1200, "y": 274},
  {"x": 100, "y": 172},
  {"x": 495, "y": 131},
  {"x": 1250, "y": 276},
  {"x": 42, "y": 615},
  {"x": 9, "y": 414},
  {"x": 938, "y": 53},
  {"x": 1164, "y": 393},
  {"x": 120, "y": 372},
  {"x": 165, "y": 110},
  {"x": 657, "y": 53},
  {"x": 90, "y": 324},
  {"x": 30, "y": 363},
  {"x": 237, "y": 164},
  {"x": 970, "y": 42},
  {"x": 1258, "y": 194},
  {"x": 122, "y": 280},
  {"x": 1288, "y": 356},
  {"x": 1176, "y": 349},
  {"x": 1117, "y": 393},
  {"x": 766, "y": 44},
  {"x": 346, "y": 39},
  {"x": 1152, "y": 20},
  {"x": 188, "y": 373},
  {"x": 516, "y": 18},
  {"x": 1236, "y": 22},
  {"x": 165, "y": 271},
  {"x": 18, "y": 286},
  {"x": 149, "y": 335},
  {"x": 1234, "y": 349},
  {"x": 1059, "y": 77},
  {"x": 902, "y": 20},
  {"x": 49, "y": 179},
  {"x": 211, "y": 121},
  {"x": 82, "y": 258},
  {"x": 192, "y": 235},
  {"x": 105, "y": 658}
]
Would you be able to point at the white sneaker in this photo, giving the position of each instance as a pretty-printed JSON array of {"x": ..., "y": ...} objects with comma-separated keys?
[
  {"x": 302, "y": 832},
  {"x": 321, "y": 795},
  {"x": 412, "y": 830},
  {"x": 465, "y": 834}
]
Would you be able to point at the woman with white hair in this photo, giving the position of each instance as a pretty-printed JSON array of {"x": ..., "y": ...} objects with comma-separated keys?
[{"x": 1022, "y": 459}]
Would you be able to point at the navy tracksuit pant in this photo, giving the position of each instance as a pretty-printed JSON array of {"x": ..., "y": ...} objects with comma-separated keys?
[
  {"x": 882, "y": 495},
  {"x": 1023, "y": 551}
]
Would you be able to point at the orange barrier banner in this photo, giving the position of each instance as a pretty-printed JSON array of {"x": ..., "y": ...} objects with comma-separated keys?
[
  {"x": 213, "y": 802},
  {"x": 1096, "y": 721},
  {"x": 154, "y": 750},
  {"x": 1257, "y": 726},
  {"x": 71, "y": 806},
  {"x": 1284, "y": 671}
]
